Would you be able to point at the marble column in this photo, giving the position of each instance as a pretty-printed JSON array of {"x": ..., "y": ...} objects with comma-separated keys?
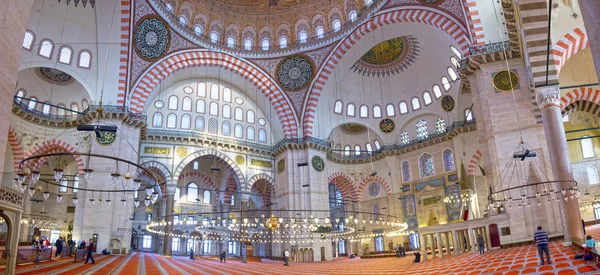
[
  {"x": 457, "y": 242},
  {"x": 423, "y": 247},
  {"x": 472, "y": 240},
  {"x": 548, "y": 99},
  {"x": 448, "y": 239},
  {"x": 590, "y": 12},
  {"x": 168, "y": 240},
  {"x": 432, "y": 245},
  {"x": 440, "y": 245}
]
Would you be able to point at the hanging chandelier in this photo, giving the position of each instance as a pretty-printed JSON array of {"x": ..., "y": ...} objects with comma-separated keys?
[
  {"x": 83, "y": 2},
  {"x": 42, "y": 222}
]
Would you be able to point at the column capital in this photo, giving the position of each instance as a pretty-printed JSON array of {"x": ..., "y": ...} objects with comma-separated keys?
[{"x": 547, "y": 96}]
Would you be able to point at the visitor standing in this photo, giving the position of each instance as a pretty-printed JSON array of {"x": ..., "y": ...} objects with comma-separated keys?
[
  {"x": 59, "y": 246},
  {"x": 38, "y": 256},
  {"x": 402, "y": 251},
  {"x": 224, "y": 256},
  {"x": 286, "y": 257},
  {"x": 541, "y": 240},
  {"x": 89, "y": 252},
  {"x": 481, "y": 244}
]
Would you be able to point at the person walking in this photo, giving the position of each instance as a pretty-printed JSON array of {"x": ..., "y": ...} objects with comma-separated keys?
[
  {"x": 481, "y": 244},
  {"x": 224, "y": 256},
  {"x": 59, "y": 247},
  {"x": 541, "y": 240},
  {"x": 286, "y": 257},
  {"x": 38, "y": 256},
  {"x": 89, "y": 252}
]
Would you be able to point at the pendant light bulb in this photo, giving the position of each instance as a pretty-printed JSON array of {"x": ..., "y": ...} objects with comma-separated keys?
[
  {"x": 58, "y": 174},
  {"x": 87, "y": 174},
  {"x": 59, "y": 198},
  {"x": 75, "y": 200},
  {"x": 35, "y": 176}
]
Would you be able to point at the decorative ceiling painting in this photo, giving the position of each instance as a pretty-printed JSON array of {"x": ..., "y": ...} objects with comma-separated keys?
[
  {"x": 353, "y": 128},
  {"x": 54, "y": 76},
  {"x": 389, "y": 57}
]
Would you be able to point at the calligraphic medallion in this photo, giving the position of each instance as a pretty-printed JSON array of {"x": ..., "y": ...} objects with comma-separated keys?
[
  {"x": 318, "y": 164},
  {"x": 181, "y": 152},
  {"x": 106, "y": 138},
  {"x": 387, "y": 125},
  {"x": 240, "y": 160},
  {"x": 505, "y": 81},
  {"x": 447, "y": 103},
  {"x": 280, "y": 165}
]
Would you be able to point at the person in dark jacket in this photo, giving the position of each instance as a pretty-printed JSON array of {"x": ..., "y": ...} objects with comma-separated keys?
[
  {"x": 481, "y": 244},
  {"x": 59, "y": 247},
  {"x": 223, "y": 256},
  {"x": 89, "y": 252}
]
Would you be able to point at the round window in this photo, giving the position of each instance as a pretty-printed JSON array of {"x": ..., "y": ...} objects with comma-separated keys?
[
  {"x": 188, "y": 90},
  {"x": 159, "y": 104},
  {"x": 239, "y": 100},
  {"x": 262, "y": 121}
]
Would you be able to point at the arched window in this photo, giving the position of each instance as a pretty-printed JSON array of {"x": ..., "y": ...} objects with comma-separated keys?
[
  {"x": 336, "y": 25},
  {"x": 28, "y": 40},
  {"x": 85, "y": 59},
  {"x": 404, "y": 138},
  {"x": 248, "y": 44},
  {"x": 452, "y": 74},
  {"x": 65, "y": 55},
  {"x": 427, "y": 98},
  {"x": 46, "y": 108},
  {"x": 199, "y": 123},
  {"x": 75, "y": 184},
  {"x": 422, "y": 130},
  {"x": 61, "y": 110},
  {"x": 250, "y": 133},
  {"x": 62, "y": 188},
  {"x": 226, "y": 111},
  {"x": 201, "y": 89},
  {"x": 171, "y": 121},
  {"x": 173, "y": 101},
  {"x": 403, "y": 107},
  {"x": 338, "y": 107},
  {"x": 592, "y": 174},
  {"x": 250, "y": 116},
  {"x": 456, "y": 52},
  {"x": 376, "y": 111},
  {"x": 32, "y": 103},
  {"x": 186, "y": 121},
  {"x": 369, "y": 147},
  {"x": 282, "y": 42},
  {"x": 227, "y": 94},
  {"x": 468, "y": 114},
  {"x": 238, "y": 131},
  {"x": 214, "y": 109},
  {"x": 214, "y": 92},
  {"x": 437, "y": 91},
  {"x": 587, "y": 147},
  {"x": 74, "y": 107},
  {"x": 262, "y": 135},
  {"x": 198, "y": 29},
  {"x": 440, "y": 126},
  {"x": 239, "y": 114},
  {"x": 46, "y": 48},
  {"x": 416, "y": 105},
  {"x": 182, "y": 20},
  {"x": 20, "y": 94},
  {"x": 265, "y": 44},
  {"x": 320, "y": 31},
  {"x": 230, "y": 41},
  {"x": 187, "y": 104},
  {"x": 200, "y": 106},
  {"x": 177, "y": 194},
  {"x": 206, "y": 197},
  {"x": 352, "y": 15},
  {"x": 405, "y": 171},
  {"x": 389, "y": 110},
  {"x": 350, "y": 109},
  {"x": 192, "y": 192},
  {"x": 302, "y": 37},
  {"x": 84, "y": 104},
  {"x": 445, "y": 83},
  {"x": 347, "y": 150},
  {"x": 214, "y": 37},
  {"x": 448, "y": 160},
  {"x": 195, "y": 165},
  {"x": 226, "y": 128},
  {"x": 426, "y": 165},
  {"x": 157, "y": 120},
  {"x": 357, "y": 150},
  {"x": 364, "y": 111},
  {"x": 377, "y": 145},
  {"x": 454, "y": 62}
]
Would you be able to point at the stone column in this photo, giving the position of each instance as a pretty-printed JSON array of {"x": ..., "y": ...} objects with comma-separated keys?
[
  {"x": 455, "y": 237},
  {"x": 472, "y": 240},
  {"x": 423, "y": 239},
  {"x": 168, "y": 240},
  {"x": 440, "y": 245},
  {"x": 432, "y": 245},
  {"x": 548, "y": 99},
  {"x": 590, "y": 11},
  {"x": 448, "y": 238}
]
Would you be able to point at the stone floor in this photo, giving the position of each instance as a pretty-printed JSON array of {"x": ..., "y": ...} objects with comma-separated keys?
[{"x": 518, "y": 260}]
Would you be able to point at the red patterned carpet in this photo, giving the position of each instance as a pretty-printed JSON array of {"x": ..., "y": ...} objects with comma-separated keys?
[{"x": 511, "y": 261}]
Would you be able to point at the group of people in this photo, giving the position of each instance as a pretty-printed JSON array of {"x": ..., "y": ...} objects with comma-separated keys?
[{"x": 400, "y": 251}]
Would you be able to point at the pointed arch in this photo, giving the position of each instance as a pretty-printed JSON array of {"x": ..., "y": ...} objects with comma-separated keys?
[
  {"x": 230, "y": 189},
  {"x": 164, "y": 171},
  {"x": 370, "y": 179},
  {"x": 154, "y": 75},
  {"x": 582, "y": 99},
  {"x": 270, "y": 190},
  {"x": 434, "y": 18},
  {"x": 16, "y": 147},
  {"x": 212, "y": 152},
  {"x": 344, "y": 183},
  {"x": 569, "y": 45},
  {"x": 200, "y": 177},
  {"x": 473, "y": 163},
  {"x": 54, "y": 146}
]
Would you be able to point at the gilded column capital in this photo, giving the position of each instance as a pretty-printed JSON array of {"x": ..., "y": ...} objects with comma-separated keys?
[{"x": 547, "y": 96}]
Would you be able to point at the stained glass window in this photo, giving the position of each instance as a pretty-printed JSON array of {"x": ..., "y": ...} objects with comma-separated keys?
[
  {"x": 213, "y": 126},
  {"x": 404, "y": 138},
  {"x": 376, "y": 111},
  {"x": 440, "y": 126},
  {"x": 375, "y": 211},
  {"x": 226, "y": 129},
  {"x": 405, "y": 171},
  {"x": 426, "y": 165},
  {"x": 187, "y": 104},
  {"x": 199, "y": 123},
  {"x": 171, "y": 121},
  {"x": 238, "y": 131},
  {"x": 422, "y": 130},
  {"x": 186, "y": 122},
  {"x": 157, "y": 121},
  {"x": 448, "y": 160}
]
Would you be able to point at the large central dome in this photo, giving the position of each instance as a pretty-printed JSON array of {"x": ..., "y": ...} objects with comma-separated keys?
[{"x": 267, "y": 7}]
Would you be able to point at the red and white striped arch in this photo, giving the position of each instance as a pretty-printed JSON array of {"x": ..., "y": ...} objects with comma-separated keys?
[
  {"x": 268, "y": 192},
  {"x": 370, "y": 179},
  {"x": 407, "y": 15},
  {"x": 124, "y": 49},
  {"x": 570, "y": 101},
  {"x": 570, "y": 44},
  {"x": 198, "y": 58},
  {"x": 475, "y": 22},
  {"x": 53, "y": 146},
  {"x": 473, "y": 163},
  {"x": 16, "y": 147},
  {"x": 344, "y": 183},
  {"x": 199, "y": 177},
  {"x": 230, "y": 189}
]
